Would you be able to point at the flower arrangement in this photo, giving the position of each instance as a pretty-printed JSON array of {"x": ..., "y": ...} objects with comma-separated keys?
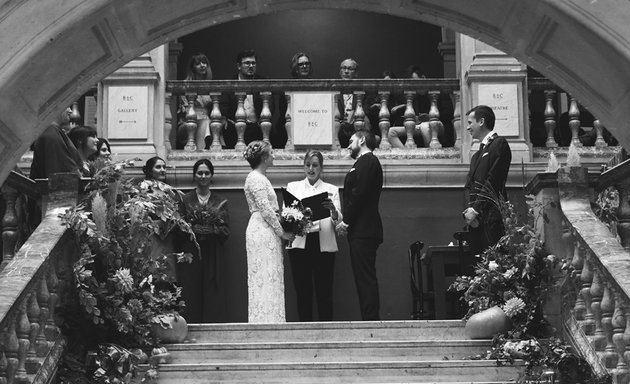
[
  {"x": 206, "y": 219},
  {"x": 124, "y": 280},
  {"x": 296, "y": 219}
]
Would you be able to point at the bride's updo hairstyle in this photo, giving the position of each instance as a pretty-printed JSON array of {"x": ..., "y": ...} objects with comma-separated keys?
[{"x": 256, "y": 152}]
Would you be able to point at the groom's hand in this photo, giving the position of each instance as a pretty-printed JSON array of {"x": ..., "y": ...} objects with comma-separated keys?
[{"x": 342, "y": 229}]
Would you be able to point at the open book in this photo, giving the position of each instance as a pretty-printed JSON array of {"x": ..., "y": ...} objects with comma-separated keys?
[{"x": 313, "y": 202}]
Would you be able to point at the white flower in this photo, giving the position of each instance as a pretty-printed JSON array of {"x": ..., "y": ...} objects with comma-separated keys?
[
  {"x": 510, "y": 272},
  {"x": 492, "y": 265}
]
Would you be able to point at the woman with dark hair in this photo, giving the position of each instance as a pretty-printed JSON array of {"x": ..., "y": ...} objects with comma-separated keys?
[
  {"x": 198, "y": 68},
  {"x": 263, "y": 240},
  {"x": 201, "y": 280},
  {"x": 103, "y": 150},
  {"x": 155, "y": 169},
  {"x": 84, "y": 139},
  {"x": 313, "y": 256}
]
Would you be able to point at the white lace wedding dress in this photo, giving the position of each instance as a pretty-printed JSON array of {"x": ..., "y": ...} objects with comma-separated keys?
[{"x": 265, "y": 268}]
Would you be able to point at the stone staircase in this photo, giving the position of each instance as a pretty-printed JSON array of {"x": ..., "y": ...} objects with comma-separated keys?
[{"x": 335, "y": 352}]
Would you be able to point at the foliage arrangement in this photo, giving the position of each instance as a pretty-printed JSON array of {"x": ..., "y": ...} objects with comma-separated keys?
[
  {"x": 206, "y": 218},
  {"x": 296, "y": 219},
  {"x": 124, "y": 275},
  {"x": 605, "y": 207}
]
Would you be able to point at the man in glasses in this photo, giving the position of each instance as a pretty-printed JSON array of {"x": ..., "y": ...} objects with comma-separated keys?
[
  {"x": 246, "y": 66},
  {"x": 347, "y": 104}
]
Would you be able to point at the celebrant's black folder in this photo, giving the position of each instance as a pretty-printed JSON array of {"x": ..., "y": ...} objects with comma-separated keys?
[{"x": 313, "y": 202}]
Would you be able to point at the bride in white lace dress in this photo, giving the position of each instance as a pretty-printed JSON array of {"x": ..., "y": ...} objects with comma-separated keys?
[{"x": 263, "y": 240}]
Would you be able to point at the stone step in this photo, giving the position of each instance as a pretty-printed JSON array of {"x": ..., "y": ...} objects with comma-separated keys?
[
  {"x": 320, "y": 352},
  {"x": 449, "y": 371},
  {"x": 407, "y": 330}
]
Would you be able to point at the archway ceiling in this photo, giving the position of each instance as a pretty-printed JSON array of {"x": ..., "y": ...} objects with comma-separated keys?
[{"x": 53, "y": 51}]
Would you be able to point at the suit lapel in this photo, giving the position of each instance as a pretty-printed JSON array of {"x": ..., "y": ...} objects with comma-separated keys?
[{"x": 477, "y": 157}]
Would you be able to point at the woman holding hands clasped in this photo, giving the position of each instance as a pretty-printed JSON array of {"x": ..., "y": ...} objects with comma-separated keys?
[
  {"x": 313, "y": 256},
  {"x": 263, "y": 240}
]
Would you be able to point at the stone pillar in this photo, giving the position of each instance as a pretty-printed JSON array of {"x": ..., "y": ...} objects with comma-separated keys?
[
  {"x": 493, "y": 78},
  {"x": 132, "y": 112}
]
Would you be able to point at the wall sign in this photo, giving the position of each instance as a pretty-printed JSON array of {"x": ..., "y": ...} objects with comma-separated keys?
[
  {"x": 312, "y": 118},
  {"x": 503, "y": 99},
  {"x": 128, "y": 107}
]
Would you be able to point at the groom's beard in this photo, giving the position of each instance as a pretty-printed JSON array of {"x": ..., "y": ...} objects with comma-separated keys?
[{"x": 354, "y": 153}]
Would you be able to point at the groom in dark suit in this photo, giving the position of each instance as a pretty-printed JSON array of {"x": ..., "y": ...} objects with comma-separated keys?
[
  {"x": 362, "y": 221},
  {"x": 489, "y": 168}
]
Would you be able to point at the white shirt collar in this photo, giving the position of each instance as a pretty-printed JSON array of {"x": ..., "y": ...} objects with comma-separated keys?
[
  {"x": 488, "y": 136},
  {"x": 316, "y": 185}
]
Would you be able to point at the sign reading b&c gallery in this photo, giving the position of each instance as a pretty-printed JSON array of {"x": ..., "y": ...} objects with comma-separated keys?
[{"x": 127, "y": 112}]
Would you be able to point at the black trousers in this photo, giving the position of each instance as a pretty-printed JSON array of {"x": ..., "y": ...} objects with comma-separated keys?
[
  {"x": 312, "y": 267},
  {"x": 363, "y": 260}
]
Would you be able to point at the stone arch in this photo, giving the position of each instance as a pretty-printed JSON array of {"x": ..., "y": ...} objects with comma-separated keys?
[{"x": 53, "y": 51}]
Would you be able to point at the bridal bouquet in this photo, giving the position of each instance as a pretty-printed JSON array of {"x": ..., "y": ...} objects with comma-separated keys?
[{"x": 296, "y": 219}]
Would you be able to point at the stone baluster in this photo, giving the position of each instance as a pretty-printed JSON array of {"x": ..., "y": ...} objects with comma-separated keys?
[
  {"x": 574, "y": 122},
  {"x": 623, "y": 212},
  {"x": 33, "y": 312},
  {"x": 608, "y": 307},
  {"x": 598, "y": 339},
  {"x": 9, "y": 223},
  {"x": 3, "y": 361},
  {"x": 168, "y": 121},
  {"x": 288, "y": 125},
  {"x": 216, "y": 122},
  {"x": 23, "y": 328},
  {"x": 52, "y": 282},
  {"x": 434, "y": 122},
  {"x": 11, "y": 349},
  {"x": 191, "y": 122},
  {"x": 265, "y": 116},
  {"x": 626, "y": 335},
  {"x": 383, "y": 120},
  {"x": 588, "y": 324},
  {"x": 619, "y": 324},
  {"x": 42, "y": 344},
  {"x": 337, "y": 119},
  {"x": 599, "y": 130},
  {"x": 550, "y": 118},
  {"x": 577, "y": 262},
  {"x": 457, "y": 119},
  {"x": 75, "y": 116},
  {"x": 410, "y": 120},
  {"x": 241, "y": 121},
  {"x": 359, "y": 114}
]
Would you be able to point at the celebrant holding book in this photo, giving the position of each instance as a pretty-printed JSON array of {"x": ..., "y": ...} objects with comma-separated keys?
[
  {"x": 312, "y": 257},
  {"x": 202, "y": 280}
]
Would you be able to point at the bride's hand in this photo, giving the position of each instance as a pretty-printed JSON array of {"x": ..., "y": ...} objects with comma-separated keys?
[{"x": 288, "y": 236}]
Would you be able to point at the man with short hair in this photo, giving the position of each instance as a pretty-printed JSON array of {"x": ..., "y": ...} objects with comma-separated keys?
[
  {"x": 488, "y": 173},
  {"x": 362, "y": 220},
  {"x": 347, "y": 104},
  {"x": 246, "y": 65}
]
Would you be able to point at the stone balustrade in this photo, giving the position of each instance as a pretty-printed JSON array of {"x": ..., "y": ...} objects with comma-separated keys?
[
  {"x": 379, "y": 92},
  {"x": 32, "y": 285}
]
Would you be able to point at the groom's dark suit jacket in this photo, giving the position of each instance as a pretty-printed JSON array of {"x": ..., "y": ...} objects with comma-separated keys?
[
  {"x": 488, "y": 171},
  {"x": 361, "y": 193}
]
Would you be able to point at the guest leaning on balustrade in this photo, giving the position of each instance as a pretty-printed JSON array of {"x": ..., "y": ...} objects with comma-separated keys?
[
  {"x": 198, "y": 68},
  {"x": 301, "y": 68},
  {"x": 84, "y": 139},
  {"x": 202, "y": 280},
  {"x": 312, "y": 256}
]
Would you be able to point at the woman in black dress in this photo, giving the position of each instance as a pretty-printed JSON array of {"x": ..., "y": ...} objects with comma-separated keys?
[{"x": 201, "y": 280}]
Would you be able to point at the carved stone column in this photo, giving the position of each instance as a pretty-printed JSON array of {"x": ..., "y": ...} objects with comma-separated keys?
[
  {"x": 9, "y": 223},
  {"x": 168, "y": 121},
  {"x": 359, "y": 113},
  {"x": 457, "y": 119},
  {"x": 288, "y": 125},
  {"x": 241, "y": 121},
  {"x": 383, "y": 120},
  {"x": 191, "y": 122},
  {"x": 550, "y": 118},
  {"x": 621, "y": 371},
  {"x": 599, "y": 128},
  {"x": 608, "y": 307},
  {"x": 337, "y": 118},
  {"x": 216, "y": 122},
  {"x": 434, "y": 123},
  {"x": 265, "y": 116},
  {"x": 598, "y": 339},
  {"x": 574, "y": 122},
  {"x": 410, "y": 120}
]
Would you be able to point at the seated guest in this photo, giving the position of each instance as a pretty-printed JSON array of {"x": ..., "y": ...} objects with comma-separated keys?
[
  {"x": 84, "y": 139},
  {"x": 53, "y": 151},
  {"x": 301, "y": 68},
  {"x": 396, "y": 104},
  {"x": 246, "y": 65},
  {"x": 347, "y": 103},
  {"x": 202, "y": 280},
  {"x": 198, "y": 68}
]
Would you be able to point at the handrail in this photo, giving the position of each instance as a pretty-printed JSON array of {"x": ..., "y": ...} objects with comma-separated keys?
[{"x": 281, "y": 85}]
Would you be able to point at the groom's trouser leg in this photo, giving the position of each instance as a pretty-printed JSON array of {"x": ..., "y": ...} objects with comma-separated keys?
[
  {"x": 303, "y": 283},
  {"x": 363, "y": 260}
]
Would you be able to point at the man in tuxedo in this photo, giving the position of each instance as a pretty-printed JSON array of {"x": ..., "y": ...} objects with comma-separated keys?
[
  {"x": 489, "y": 168},
  {"x": 246, "y": 65},
  {"x": 362, "y": 221}
]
